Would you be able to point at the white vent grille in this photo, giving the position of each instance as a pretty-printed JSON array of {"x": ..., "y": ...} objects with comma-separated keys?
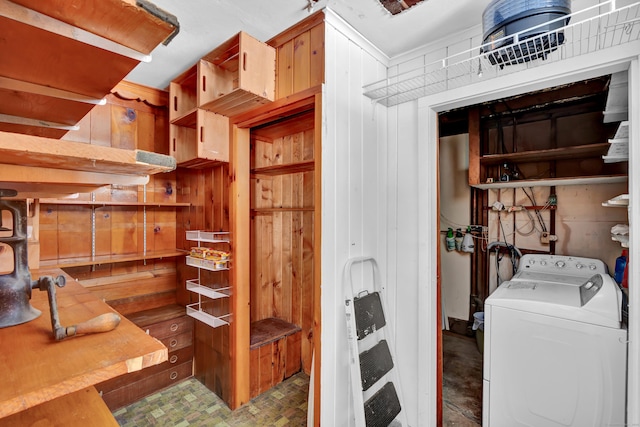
[{"x": 589, "y": 31}]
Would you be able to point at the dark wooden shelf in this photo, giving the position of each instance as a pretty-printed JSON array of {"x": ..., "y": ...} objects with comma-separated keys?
[
  {"x": 564, "y": 153},
  {"x": 265, "y": 211}
]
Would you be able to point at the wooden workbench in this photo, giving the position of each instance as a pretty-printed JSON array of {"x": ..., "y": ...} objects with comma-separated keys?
[{"x": 36, "y": 369}]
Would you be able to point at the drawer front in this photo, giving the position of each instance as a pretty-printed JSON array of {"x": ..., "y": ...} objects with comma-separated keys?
[
  {"x": 177, "y": 342},
  {"x": 177, "y": 357},
  {"x": 135, "y": 391},
  {"x": 171, "y": 327}
]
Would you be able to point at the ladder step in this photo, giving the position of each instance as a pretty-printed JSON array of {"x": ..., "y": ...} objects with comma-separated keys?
[
  {"x": 374, "y": 363},
  {"x": 383, "y": 407},
  {"x": 368, "y": 313}
]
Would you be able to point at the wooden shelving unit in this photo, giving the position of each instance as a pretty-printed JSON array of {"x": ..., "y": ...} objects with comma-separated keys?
[{"x": 233, "y": 78}]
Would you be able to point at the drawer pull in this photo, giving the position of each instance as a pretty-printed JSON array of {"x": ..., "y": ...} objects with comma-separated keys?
[
  {"x": 173, "y": 359},
  {"x": 173, "y": 343},
  {"x": 173, "y": 375},
  {"x": 174, "y": 327}
]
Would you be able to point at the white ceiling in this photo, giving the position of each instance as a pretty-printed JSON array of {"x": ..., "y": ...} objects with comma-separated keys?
[{"x": 204, "y": 24}]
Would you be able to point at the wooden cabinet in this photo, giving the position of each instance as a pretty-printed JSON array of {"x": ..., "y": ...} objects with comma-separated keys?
[
  {"x": 174, "y": 329},
  {"x": 233, "y": 78}
]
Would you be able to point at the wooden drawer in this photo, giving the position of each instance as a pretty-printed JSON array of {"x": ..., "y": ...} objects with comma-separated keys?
[
  {"x": 176, "y": 358},
  {"x": 171, "y": 327},
  {"x": 176, "y": 342},
  {"x": 153, "y": 383}
]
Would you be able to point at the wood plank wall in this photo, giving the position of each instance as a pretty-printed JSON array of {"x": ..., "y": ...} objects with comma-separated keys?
[
  {"x": 207, "y": 191},
  {"x": 65, "y": 230}
]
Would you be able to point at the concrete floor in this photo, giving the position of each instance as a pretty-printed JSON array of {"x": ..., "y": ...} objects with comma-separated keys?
[{"x": 461, "y": 381}]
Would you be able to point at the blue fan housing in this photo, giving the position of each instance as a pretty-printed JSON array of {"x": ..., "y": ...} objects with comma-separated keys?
[{"x": 503, "y": 18}]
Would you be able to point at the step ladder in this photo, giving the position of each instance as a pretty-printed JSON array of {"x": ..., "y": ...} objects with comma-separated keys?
[{"x": 374, "y": 377}]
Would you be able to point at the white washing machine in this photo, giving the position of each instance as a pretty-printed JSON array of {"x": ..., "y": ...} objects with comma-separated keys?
[{"x": 554, "y": 346}]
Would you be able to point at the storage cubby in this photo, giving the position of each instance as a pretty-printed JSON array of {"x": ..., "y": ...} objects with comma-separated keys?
[{"x": 199, "y": 139}]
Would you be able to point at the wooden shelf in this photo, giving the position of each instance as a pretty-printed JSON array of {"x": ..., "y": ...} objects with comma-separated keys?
[
  {"x": 109, "y": 259},
  {"x": 39, "y": 167},
  {"x": 38, "y": 369},
  {"x": 305, "y": 166},
  {"x": 63, "y": 74},
  {"x": 564, "y": 153},
  {"x": 105, "y": 204}
]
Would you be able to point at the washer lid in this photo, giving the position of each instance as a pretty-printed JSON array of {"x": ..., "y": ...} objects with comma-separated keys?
[{"x": 596, "y": 301}]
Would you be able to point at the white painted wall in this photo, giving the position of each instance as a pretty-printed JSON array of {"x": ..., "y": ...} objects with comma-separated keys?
[{"x": 455, "y": 212}]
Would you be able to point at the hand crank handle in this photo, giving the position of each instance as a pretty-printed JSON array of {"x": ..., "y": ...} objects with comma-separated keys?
[{"x": 103, "y": 323}]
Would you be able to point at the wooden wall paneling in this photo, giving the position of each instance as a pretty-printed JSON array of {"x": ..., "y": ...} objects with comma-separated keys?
[
  {"x": 266, "y": 367},
  {"x": 316, "y": 68},
  {"x": 49, "y": 232},
  {"x": 100, "y": 126},
  {"x": 103, "y": 216},
  {"x": 254, "y": 368},
  {"x": 302, "y": 61},
  {"x": 124, "y": 127},
  {"x": 74, "y": 231},
  {"x": 284, "y": 70},
  {"x": 293, "y": 355}
]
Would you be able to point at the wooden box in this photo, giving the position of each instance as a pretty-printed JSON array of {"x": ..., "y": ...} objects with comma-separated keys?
[
  {"x": 199, "y": 139},
  {"x": 275, "y": 353},
  {"x": 237, "y": 76}
]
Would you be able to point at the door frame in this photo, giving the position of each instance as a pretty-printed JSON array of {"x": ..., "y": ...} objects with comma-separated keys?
[{"x": 571, "y": 70}]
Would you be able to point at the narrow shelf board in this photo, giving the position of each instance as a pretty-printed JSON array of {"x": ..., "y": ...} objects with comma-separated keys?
[
  {"x": 266, "y": 211},
  {"x": 35, "y": 151},
  {"x": 564, "y": 153},
  {"x": 621, "y": 201},
  {"x": 104, "y": 204},
  {"x": 188, "y": 119},
  {"x": 550, "y": 182},
  {"x": 73, "y": 363},
  {"x": 109, "y": 259},
  {"x": 305, "y": 166},
  {"x": 271, "y": 329}
]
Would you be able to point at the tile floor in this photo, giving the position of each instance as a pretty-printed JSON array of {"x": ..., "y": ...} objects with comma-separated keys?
[{"x": 191, "y": 404}]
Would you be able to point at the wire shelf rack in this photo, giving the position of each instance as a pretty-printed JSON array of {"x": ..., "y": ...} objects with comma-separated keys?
[{"x": 586, "y": 31}]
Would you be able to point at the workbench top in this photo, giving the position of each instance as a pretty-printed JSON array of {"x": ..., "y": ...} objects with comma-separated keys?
[{"x": 38, "y": 369}]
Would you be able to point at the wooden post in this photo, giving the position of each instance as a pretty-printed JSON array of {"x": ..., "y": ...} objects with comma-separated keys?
[
  {"x": 239, "y": 273},
  {"x": 474, "y": 146}
]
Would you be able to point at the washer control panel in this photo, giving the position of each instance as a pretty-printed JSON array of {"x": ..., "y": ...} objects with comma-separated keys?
[{"x": 562, "y": 264}]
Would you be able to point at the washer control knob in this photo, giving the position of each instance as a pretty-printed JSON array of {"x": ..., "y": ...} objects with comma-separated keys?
[
  {"x": 543, "y": 262},
  {"x": 532, "y": 261},
  {"x": 560, "y": 264},
  {"x": 592, "y": 267},
  {"x": 579, "y": 266}
]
